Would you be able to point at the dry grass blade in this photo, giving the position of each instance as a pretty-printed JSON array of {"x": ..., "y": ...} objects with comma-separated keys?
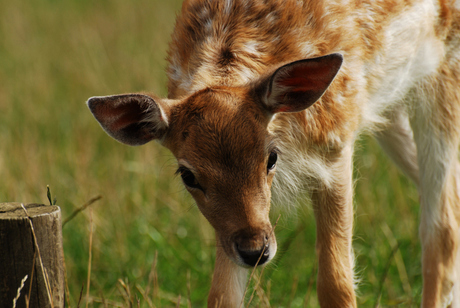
[
  {"x": 45, "y": 275},
  {"x": 80, "y": 209},
  {"x": 48, "y": 285},
  {"x": 81, "y": 295},
  {"x": 269, "y": 289},
  {"x": 127, "y": 293},
  {"x": 153, "y": 280},
  {"x": 398, "y": 258},
  {"x": 144, "y": 295},
  {"x": 178, "y": 301},
  {"x": 106, "y": 303},
  {"x": 295, "y": 283},
  {"x": 254, "y": 269},
  {"x": 88, "y": 282},
  {"x": 263, "y": 297},
  {"x": 18, "y": 294},
  {"x": 67, "y": 291},
  {"x": 103, "y": 301},
  {"x": 31, "y": 280}
]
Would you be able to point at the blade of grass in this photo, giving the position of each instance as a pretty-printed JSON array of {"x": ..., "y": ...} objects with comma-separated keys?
[
  {"x": 178, "y": 302},
  {"x": 254, "y": 269},
  {"x": 264, "y": 299},
  {"x": 18, "y": 293},
  {"x": 311, "y": 280},
  {"x": 67, "y": 291},
  {"x": 81, "y": 295},
  {"x": 153, "y": 280},
  {"x": 88, "y": 281},
  {"x": 384, "y": 275},
  {"x": 398, "y": 259},
  {"x": 127, "y": 294},
  {"x": 295, "y": 283},
  {"x": 80, "y": 209},
  {"x": 146, "y": 298},
  {"x": 189, "y": 291}
]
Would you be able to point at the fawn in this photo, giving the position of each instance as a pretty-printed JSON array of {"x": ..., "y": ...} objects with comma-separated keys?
[{"x": 286, "y": 86}]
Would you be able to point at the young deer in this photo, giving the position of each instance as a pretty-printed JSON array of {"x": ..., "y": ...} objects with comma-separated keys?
[{"x": 287, "y": 86}]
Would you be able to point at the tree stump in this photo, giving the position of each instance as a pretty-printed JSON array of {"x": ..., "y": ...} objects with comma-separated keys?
[{"x": 31, "y": 256}]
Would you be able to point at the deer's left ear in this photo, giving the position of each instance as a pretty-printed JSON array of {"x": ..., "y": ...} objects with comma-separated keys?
[{"x": 298, "y": 85}]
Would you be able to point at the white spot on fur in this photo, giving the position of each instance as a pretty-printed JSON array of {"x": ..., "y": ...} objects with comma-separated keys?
[
  {"x": 276, "y": 39},
  {"x": 246, "y": 75},
  {"x": 208, "y": 25},
  {"x": 252, "y": 47},
  {"x": 271, "y": 18},
  {"x": 175, "y": 72},
  {"x": 228, "y": 6},
  {"x": 204, "y": 13},
  {"x": 307, "y": 48}
]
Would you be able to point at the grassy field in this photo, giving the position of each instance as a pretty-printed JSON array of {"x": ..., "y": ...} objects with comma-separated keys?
[{"x": 149, "y": 241}]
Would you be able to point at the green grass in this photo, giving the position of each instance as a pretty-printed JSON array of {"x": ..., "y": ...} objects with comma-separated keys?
[{"x": 147, "y": 232}]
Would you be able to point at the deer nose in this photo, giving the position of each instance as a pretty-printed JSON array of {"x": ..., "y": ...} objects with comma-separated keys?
[{"x": 253, "y": 257}]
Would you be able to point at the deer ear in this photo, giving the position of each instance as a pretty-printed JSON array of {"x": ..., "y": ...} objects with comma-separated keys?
[
  {"x": 298, "y": 85},
  {"x": 133, "y": 119}
]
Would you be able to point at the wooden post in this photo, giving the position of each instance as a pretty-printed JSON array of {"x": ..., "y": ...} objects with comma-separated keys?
[{"x": 31, "y": 256}]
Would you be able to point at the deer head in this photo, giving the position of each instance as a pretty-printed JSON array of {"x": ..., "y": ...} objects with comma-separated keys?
[{"x": 226, "y": 156}]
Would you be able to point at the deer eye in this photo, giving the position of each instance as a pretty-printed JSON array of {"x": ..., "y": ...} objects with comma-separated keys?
[
  {"x": 188, "y": 178},
  {"x": 272, "y": 161}
]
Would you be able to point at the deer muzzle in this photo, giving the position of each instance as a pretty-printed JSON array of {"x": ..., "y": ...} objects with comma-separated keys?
[{"x": 254, "y": 247}]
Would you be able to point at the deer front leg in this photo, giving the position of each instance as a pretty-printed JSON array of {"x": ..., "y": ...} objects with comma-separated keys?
[
  {"x": 228, "y": 282},
  {"x": 333, "y": 207}
]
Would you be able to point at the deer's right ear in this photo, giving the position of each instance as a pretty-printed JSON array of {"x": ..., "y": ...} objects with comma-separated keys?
[
  {"x": 298, "y": 85},
  {"x": 133, "y": 119}
]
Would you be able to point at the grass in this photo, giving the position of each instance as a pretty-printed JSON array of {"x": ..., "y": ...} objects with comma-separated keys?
[{"x": 149, "y": 241}]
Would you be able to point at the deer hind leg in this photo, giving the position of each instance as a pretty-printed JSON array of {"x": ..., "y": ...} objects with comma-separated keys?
[
  {"x": 397, "y": 141},
  {"x": 436, "y": 128},
  {"x": 456, "y": 290}
]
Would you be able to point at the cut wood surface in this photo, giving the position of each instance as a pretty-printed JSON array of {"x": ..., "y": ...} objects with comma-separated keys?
[{"x": 31, "y": 256}]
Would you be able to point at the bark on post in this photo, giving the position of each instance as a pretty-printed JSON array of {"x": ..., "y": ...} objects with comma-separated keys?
[{"x": 31, "y": 256}]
